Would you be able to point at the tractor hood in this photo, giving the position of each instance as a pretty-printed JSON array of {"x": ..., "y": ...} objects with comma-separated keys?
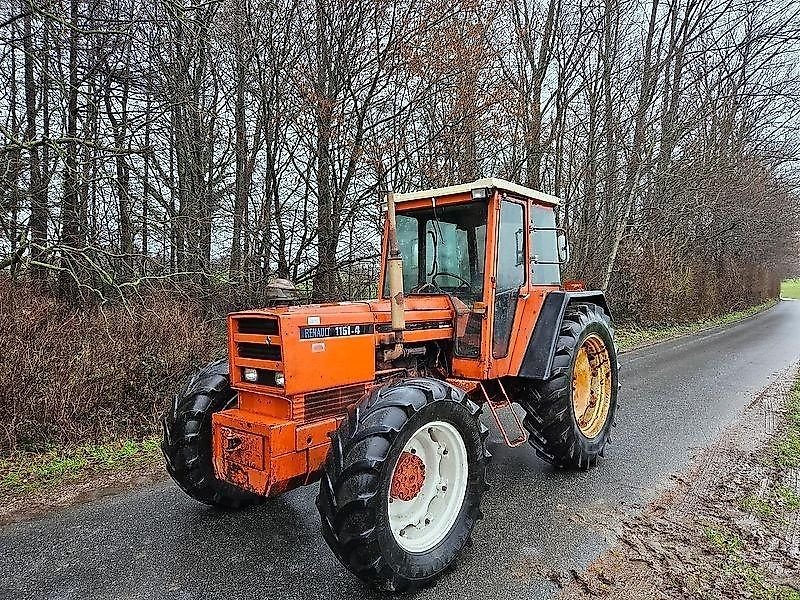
[{"x": 300, "y": 349}]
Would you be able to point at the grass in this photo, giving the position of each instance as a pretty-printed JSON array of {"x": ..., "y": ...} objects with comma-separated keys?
[
  {"x": 723, "y": 540},
  {"x": 732, "y": 547},
  {"x": 739, "y": 558},
  {"x": 787, "y": 498},
  {"x": 779, "y": 501},
  {"x": 790, "y": 288},
  {"x": 24, "y": 472},
  {"x": 758, "y": 506},
  {"x": 788, "y": 448},
  {"x": 633, "y": 336}
]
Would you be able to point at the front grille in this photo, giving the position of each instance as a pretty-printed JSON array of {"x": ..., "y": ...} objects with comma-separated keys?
[
  {"x": 259, "y": 351},
  {"x": 258, "y": 326},
  {"x": 332, "y": 402}
]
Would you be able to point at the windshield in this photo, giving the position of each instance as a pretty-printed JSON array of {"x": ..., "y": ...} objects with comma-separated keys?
[{"x": 443, "y": 250}]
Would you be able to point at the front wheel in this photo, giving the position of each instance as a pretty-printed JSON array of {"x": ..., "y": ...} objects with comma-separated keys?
[
  {"x": 186, "y": 444},
  {"x": 403, "y": 483}
]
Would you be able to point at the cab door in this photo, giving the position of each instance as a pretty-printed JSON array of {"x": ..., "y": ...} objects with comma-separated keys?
[{"x": 511, "y": 276}]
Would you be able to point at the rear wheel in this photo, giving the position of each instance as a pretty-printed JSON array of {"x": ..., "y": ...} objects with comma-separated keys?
[
  {"x": 186, "y": 444},
  {"x": 403, "y": 482},
  {"x": 571, "y": 414}
]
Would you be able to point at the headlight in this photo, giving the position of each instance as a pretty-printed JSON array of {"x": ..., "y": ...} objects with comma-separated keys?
[
  {"x": 279, "y": 380},
  {"x": 250, "y": 375}
]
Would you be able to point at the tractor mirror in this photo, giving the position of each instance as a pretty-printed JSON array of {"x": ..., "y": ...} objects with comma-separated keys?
[{"x": 563, "y": 248}]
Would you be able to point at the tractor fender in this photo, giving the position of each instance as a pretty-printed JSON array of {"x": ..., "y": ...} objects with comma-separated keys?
[{"x": 538, "y": 359}]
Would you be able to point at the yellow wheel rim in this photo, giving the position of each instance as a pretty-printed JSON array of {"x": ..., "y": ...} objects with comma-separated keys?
[{"x": 591, "y": 386}]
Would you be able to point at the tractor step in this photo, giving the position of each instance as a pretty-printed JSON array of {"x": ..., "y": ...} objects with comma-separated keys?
[{"x": 499, "y": 402}]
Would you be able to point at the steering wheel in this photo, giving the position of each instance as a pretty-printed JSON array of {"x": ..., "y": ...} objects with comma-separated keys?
[
  {"x": 464, "y": 282},
  {"x": 421, "y": 288}
]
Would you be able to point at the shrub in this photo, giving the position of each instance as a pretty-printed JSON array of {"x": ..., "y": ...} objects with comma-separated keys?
[{"x": 84, "y": 374}]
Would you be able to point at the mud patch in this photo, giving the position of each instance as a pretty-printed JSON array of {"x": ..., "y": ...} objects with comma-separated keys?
[
  {"x": 728, "y": 528},
  {"x": 36, "y": 504}
]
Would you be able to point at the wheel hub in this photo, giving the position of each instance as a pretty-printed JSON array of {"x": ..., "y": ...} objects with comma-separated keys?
[
  {"x": 408, "y": 478},
  {"x": 428, "y": 486},
  {"x": 591, "y": 386}
]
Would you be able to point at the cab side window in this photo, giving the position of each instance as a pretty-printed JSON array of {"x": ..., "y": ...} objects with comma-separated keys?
[{"x": 544, "y": 247}]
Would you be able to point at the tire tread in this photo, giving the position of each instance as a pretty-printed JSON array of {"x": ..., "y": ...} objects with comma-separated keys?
[{"x": 350, "y": 486}]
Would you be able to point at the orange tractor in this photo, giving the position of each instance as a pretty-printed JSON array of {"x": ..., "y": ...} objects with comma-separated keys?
[{"x": 380, "y": 400}]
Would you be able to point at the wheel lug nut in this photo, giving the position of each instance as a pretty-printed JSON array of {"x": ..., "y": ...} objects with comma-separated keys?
[
  {"x": 413, "y": 451},
  {"x": 445, "y": 451},
  {"x": 427, "y": 521},
  {"x": 444, "y": 488}
]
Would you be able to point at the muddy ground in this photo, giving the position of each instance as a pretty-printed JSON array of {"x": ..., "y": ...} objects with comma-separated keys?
[
  {"x": 728, "y": 528},
  {"x": 25, "y": 504}
]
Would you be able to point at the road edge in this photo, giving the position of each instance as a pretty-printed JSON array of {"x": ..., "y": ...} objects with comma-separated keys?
[{"x": 710, "y": 328}]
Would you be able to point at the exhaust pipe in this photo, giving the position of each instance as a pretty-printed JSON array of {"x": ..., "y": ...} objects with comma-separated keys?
[{"x": 394, "y": 271}]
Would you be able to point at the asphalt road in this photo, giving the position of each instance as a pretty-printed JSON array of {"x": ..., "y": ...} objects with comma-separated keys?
[{"x": 157, "y": 543}]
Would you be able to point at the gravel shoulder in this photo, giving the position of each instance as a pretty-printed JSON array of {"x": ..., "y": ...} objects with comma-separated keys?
[
  {"x": 35, "y": 484},
  {"x": 633, "y": 337},
  {"x": 41, "y": 502}
]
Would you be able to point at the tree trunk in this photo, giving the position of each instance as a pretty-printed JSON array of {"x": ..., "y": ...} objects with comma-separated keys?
[
  {"x": 36, "y": 189},
  {"x": 241, "y": 188},
  {"x": 70, "y": 209},
  {"x": 327, "y": 238},
  {"x": 635, "y": 163},
  {"x": 119, "y": 127}
]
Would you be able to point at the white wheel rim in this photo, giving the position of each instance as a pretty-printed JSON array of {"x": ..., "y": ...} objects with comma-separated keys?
[{"x": 421, "y": 522}]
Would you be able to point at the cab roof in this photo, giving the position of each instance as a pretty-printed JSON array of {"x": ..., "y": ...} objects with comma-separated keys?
[{"x": 486, "y": 182}]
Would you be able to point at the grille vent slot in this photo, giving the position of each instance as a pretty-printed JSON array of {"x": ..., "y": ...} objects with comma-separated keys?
[
  {"x": 258, "y": 326},
  {"x": 260, "y": 351}
]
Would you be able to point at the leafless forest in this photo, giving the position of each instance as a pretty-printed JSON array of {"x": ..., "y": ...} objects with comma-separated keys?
[
  {"x": 210, "y": 145},
  {"x": 161, "y": 160}
]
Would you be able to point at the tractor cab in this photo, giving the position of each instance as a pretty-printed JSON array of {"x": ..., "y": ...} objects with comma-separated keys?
[{"x": 492, "y": 247}]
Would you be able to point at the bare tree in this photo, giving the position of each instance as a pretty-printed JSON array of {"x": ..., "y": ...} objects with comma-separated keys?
[{"x": 216, "y": 145}]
